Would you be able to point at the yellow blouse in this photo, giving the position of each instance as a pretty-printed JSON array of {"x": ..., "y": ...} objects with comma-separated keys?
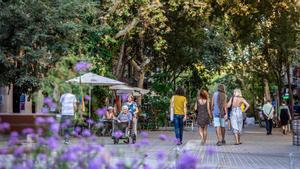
[{"x": 179, "y": 102}]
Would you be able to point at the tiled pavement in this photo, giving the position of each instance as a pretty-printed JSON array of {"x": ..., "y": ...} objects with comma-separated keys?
[{"x": 258, "y": 151}]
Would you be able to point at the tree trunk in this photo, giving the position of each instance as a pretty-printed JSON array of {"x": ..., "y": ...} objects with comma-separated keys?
[
  {"x": 288, "y": 72},
  {"x": 267, "y": 95},
  {"x": 118, "y": 68}
]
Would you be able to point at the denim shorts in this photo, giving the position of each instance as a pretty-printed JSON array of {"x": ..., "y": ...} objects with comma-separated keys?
[{"x": 219, "y": 122}]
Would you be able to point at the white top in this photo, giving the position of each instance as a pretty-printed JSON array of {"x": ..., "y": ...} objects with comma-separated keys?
[{"x": 68, "y": 102}]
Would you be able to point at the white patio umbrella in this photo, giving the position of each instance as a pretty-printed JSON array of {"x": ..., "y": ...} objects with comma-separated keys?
[
  {"x": 93, "y": 79},
  {"x": 122, "y": 88}
]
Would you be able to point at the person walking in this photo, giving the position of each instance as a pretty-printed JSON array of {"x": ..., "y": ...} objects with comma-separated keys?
[
  {"x": 284, "y": 116},
  {"x": 203, "y": 113},
  {"x": 133, "y": 109},
  {"x": 68, "y": 106},
  {"x": 268, "y": 113},
  {"x": 237, "y": 118},
  {"x": 179, "y": 109},
  {"x": 219, "y": 109}
]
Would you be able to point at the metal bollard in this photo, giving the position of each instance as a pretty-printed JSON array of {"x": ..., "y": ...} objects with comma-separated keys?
[{"x": 291, "y": 158}]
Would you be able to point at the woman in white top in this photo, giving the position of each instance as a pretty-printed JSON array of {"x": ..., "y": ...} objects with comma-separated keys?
[{"x": 236, "y": 114}]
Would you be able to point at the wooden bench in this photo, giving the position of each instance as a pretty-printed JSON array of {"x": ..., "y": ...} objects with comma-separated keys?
[{"x": 20, "y": 121}]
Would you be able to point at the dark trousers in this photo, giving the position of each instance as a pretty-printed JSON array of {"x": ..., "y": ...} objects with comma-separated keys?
[
  {"x": 178, "y": 124},
  {"x": 66, "y": 125},
  {"x": 269, "y": 126}
]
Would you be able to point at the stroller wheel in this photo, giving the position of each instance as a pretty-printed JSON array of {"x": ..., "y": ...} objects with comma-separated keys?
[{"x": 126, "y": 141}]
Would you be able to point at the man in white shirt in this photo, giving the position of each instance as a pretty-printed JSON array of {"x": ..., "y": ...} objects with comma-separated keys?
[
  {"x": 268, "y": 112},
  {"x": 68, "y": 106}
]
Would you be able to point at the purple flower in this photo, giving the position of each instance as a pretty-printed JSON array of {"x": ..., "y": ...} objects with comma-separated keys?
[
  {"x": 4, "y": 126},
  {"x": 21, "y": 166},
  {"x": 87, "y": 97},
  {"x": 77, "y": 129},
  {"x": 124, "y": 97},
  {"x": 40, "y": 131},
  {"x": 48, "y": 101},
  {"x": 29, "y": 163},
  {"x": 89, "y": 121},
  {"x": 120, "y": 165},
  {"x": 19, "y": 151},
  {"x": 52, "y": 143},
  {"x": 187, "y": 161},
  {"x": 14, "y": 134},
  {"x": 95, "y": 163},
  {"x": 143, "y": 142},
  {"x": 163, "y": 137},
  {"x": 86, "y": 133},
  {"x": 50, "y": 120},
  {"x": 118, "y": 134},
  {"x": 39, "y": 120},
  {"x": 210, "y": 150},
  {"x": 41, "y": 141},
  {"x": 27, "y": 131},
  {"x": 69, "y": 156},
  {"x": 54, "y": 128},
  {"x": 3, "y": 150},
  {"x": 144, "y": 134},
  {"x": 66, "y": 123},
  {"x": 161, "y": 155},
  {"x": 75, "y": 148},
  {"x": 146, "y": 166},
  {"x": 42, "y": 157},
  {"x": 82, "y": 66},
  {"x": 101, "y": 111},
  {"x": 13, "y": 139}
]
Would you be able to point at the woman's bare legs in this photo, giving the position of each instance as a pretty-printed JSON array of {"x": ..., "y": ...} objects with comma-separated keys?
[
  {"x": 201, "y": 132},
  {"x": 205, "y": 134}
]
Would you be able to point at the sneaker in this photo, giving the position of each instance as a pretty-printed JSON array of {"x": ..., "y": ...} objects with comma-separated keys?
[
  {"x": 67, "y": 142},
  {"x": 223, "y": 142},
  {"x": 219, "y": 143}
]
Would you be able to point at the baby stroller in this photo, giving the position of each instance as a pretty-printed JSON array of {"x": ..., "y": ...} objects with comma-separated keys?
[{"x": 125, "y": 132}]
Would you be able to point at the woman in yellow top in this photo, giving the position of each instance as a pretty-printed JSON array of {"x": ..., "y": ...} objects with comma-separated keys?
[{"x": 178, "y": 106}]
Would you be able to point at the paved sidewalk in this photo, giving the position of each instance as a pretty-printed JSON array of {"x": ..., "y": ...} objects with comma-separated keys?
[{"x": 258, "y": 151}]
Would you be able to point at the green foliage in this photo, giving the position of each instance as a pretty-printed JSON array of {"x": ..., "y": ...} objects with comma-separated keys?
[{"x": 34, "y": 35}]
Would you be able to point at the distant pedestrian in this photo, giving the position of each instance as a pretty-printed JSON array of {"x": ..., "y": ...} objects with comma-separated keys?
[
  {"x": 237, "y": 114},
  {"x": 179, "y": 109},
  {"x": 203, "y": 114},
  {"x": 68, "y": 106},
  {"x": 268, "y": 113},
  {"x": 219, "y": 107},
  {"x": 284, "y": 116}
]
